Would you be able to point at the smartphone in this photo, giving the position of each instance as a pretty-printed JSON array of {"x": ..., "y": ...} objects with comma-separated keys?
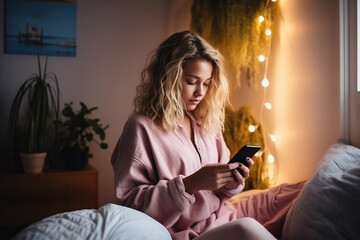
[{"x": 243, "y": 153}]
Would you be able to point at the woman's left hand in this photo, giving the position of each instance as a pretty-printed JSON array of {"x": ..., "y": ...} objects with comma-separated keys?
[{"x": 239, "y": 179}]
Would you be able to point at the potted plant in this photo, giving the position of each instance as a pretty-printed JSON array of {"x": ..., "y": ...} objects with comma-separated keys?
[
  {"x": 75, "y": 132},
  {"x": 33, "y": 109}
]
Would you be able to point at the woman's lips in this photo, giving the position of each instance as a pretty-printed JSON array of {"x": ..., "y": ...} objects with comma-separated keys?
[{"x": 195, "y": 102}]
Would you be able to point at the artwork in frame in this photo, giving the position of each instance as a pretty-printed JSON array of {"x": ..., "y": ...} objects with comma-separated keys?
[{"x": 44, "y": 27}]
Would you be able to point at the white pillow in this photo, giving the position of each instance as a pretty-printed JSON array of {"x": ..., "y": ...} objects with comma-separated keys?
[
  {"x": 111, "y": 221},
  {"x": 329, "y": 204}
]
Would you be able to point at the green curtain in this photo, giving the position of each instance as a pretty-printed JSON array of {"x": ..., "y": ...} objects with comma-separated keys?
[{"x": 233, "y": 27}]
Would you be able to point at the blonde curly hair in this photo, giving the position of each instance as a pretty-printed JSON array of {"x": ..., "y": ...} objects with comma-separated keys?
[{"x": 158, "y": 96}]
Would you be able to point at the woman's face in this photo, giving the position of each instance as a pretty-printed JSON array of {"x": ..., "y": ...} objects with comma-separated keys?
[{"x": 195, "y": 79}]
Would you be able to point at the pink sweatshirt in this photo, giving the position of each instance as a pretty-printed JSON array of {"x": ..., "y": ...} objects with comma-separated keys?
[{"x": 149, "y": 165}]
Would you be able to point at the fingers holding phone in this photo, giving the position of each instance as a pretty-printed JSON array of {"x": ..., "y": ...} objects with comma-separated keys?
[
  {"x": 240, "y": 174},
  {"x": 245, "y": 169}
]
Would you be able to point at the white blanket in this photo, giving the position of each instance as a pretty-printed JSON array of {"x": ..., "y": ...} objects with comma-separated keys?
[{"x": 108, "y": 222}]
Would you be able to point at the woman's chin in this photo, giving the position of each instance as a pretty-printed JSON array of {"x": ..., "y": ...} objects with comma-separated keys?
[{"x": 191, "y": 108}]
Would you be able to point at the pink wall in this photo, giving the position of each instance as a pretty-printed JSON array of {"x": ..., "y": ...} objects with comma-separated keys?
[
  {"x": 114, "y": 38},
  {"x": 307, "y": 117}
]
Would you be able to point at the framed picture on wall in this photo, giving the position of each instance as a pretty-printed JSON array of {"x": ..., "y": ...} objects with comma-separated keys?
[{"x": 44, "y": 27}]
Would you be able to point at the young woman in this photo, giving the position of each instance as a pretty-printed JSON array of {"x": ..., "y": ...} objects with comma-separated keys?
[{"x": 171, "y": 160}]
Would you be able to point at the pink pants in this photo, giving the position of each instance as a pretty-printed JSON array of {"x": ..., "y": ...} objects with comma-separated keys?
[{"x": 268, "y": 208}]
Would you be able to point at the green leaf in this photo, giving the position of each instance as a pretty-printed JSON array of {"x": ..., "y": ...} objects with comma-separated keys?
[
  {"x": 103, "y": 145},
  {"x": 39, "y": 65},
  {"x": 34, "y": 107},
  {"x": 79, "y": 128},
  {"x": 46, "y": 61},
  {"x": 92, "y": 109},
  {"x": 89, "y": 137}
]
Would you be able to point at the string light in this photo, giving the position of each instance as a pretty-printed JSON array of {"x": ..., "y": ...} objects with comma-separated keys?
[
  {"x": 273, "y": 137},
  {"x": 259, "y": 153},
  {"x": 270, "y": 167},
  {"x": 268, "y": 105},
  {"x": 261, "y": 58},
  {"x": 271, "y": 158},
  {"x": 261, "y": 19},
  {"x": 270, "y": 164},
  {"x": 265, "y": 83},
  {"x": 252, "y": 128},
  {"x": 268, "y": 32}
]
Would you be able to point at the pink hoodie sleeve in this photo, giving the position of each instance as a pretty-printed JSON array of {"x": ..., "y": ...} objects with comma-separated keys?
[
  {"x": 165, "y": 201},
  {"x": 229, "y": 193}
]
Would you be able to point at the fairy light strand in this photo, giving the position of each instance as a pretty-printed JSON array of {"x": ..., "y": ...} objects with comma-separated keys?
[{"x": 265, "y": 83}]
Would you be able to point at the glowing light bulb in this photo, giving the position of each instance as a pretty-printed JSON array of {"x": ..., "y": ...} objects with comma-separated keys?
[
  {"x": 271, "y": 158},
  {"x": 273, "y": 137},
  {"x": 259, "y": 154},
  {"x": 265, "y": 82},
  {"x": 268, "y": 105},
  {"x": 252, "y": 128},
  {"x": 273, "y": 0},
  {"x": 261, "y": 19},
  {"x": 261, "y": 58},
  {"x": 268, "y": 32}
]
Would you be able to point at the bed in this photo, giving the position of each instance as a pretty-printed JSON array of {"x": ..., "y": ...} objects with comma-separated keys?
[{"x": 327, "y": 208}]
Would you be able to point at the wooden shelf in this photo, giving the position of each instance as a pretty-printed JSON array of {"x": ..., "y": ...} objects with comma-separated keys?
[{"x": 27, "y": 198}]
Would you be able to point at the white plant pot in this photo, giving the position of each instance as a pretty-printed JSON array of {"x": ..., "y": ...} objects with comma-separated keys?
[{"x": 33, "y": 162}]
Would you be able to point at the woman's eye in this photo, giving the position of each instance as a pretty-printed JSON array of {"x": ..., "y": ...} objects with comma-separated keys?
[{"x": 191, "y": 83}]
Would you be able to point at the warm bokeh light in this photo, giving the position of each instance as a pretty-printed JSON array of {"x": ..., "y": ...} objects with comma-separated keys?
[
  {"x": 259, "y": 153},
  {"x": 252, "y": 128},
  {"x": 265, "y": 83},
  {"x": 268, "y": 105},
  {"x": 261, "y": 58},
  {"x": 268, "y": 32},
  {"x": 261, "y": 19},
  {"x": 273, "y": 137},
  {"x": 271, "y": 158}
]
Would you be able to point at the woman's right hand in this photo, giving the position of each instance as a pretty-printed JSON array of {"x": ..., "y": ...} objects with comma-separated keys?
[{"x": 213, "y": 177}]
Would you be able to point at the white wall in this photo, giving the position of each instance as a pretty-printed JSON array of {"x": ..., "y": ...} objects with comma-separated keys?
[{"x": 114, "y": 38}]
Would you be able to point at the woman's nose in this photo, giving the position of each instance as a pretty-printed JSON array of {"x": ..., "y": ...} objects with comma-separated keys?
[{"x": 199, "y": 91}]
